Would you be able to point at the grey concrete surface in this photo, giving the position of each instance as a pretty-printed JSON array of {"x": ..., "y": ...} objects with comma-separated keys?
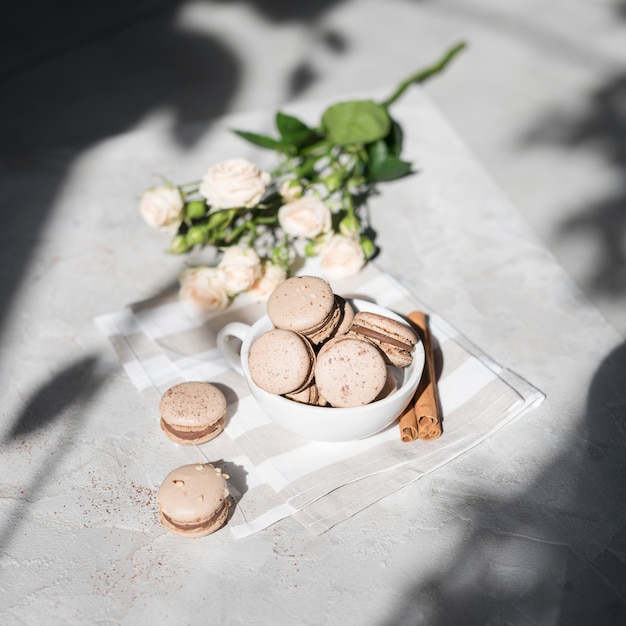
[{"x": 526, "y": 529}]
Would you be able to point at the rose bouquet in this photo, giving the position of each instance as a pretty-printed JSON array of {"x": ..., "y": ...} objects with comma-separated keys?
[{"x": 312, "y": 204}]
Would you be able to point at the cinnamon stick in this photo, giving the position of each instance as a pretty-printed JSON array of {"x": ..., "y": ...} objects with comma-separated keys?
[
  {"x": 408, "y": 423},
  {"x": 427, "y": 407}
]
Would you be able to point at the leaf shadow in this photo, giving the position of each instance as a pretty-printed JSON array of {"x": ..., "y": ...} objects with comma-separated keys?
[
  {"x": 552, "y": 553},
  {"x": 75, "y": 383},
  {"x": 59, "y": 405},
  {"x": 601, "y": 128}
]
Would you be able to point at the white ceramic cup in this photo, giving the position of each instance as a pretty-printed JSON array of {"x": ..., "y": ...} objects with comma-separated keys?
[{"x": 315, "y": 422}]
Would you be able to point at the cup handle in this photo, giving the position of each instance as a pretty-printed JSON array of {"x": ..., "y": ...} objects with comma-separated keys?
[{"x": 225, "y": 344}]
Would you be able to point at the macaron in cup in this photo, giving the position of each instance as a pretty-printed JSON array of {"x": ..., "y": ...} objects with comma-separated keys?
[
  {"x": 350, "y": 372},
  {"x": 281, "y": 361},
  {"x": 321, "y": 423},
  {"x": 396, "y": 340},
  {"x": 306, "y": 305}
]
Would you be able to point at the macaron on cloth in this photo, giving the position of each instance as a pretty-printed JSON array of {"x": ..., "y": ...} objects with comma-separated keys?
[{"x": 192, "y": 412}]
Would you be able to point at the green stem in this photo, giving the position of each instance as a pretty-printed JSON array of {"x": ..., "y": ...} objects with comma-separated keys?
[
  {"x": 424, "y": 74},
  {"x": 194, "y": 183},
  {"x": 266, "y": 220},
  {"x": 350, "y": 203}
]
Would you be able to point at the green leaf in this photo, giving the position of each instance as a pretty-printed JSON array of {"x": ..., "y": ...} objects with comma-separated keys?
[
  {"x": 354, "y": 122},
  {"x": 395, "y": 139},
  {"x": 378, "y": 152},
  {"x": 293, "y": 131},
  {"x": 390, "y": 146},
  {"x": 259, "y": 140},
  {"x": 390, "y": 169}
]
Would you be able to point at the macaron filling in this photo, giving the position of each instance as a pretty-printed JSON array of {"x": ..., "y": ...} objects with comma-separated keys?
[
  {"x": 381, "y": 337},
  {"x": 190, "y": 435},
  {"x": 192, "y": 412},
  {"x": 326, "y": 329},
  {"x": 207, "y": 523}
]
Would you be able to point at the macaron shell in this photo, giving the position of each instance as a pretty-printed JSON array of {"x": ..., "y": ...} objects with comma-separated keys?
[
  {"x": 193, "y": 412},
  {"x": 396, "y": 340},
  {"x": 390, "y": 330},
  {"x": 396, "y": 356},
  {"x": 347, "y": 316},
  {"x": 391, "y": 386},
  {"x": 193, "y": 499},
  {"x": 328, "y": 329},
  {"x": 281, "y": 361},
  {"x": 350, "y": 372},
  {"x": 301, "y": 304},
  {"x": 308, "y": 395}
]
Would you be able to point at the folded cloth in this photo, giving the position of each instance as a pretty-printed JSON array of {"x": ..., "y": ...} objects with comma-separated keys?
[{"x": 275, "y": 474}]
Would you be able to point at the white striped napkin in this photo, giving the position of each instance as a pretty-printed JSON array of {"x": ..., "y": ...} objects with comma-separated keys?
[{"x": 275, "y": 474}]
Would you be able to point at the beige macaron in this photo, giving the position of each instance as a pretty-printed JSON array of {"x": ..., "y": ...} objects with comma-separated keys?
[
  {"x": 281, "y": 361},
  {"x": 391, "y": 386},
  {"x": 306, "y": 305},
  {"x": 395, "y": 339},
  {"x": 308, "y": 395},
  {"x": 350, "y": 372},
  {"x": 192, "y": 412},
  {"x": 347, "y": 315},
  {"x": 193, "y": 500}
]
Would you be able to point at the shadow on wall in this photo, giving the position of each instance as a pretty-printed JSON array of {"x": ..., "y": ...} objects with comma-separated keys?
[
  {"x": 73, "y": 74},
  {"x": 59, "y": 406},
  {"x": 550, "y": 554},
  {"x": 603, "y": 128}
]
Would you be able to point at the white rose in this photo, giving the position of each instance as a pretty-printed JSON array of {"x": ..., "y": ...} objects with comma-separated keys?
[
  {"x": 342, "y": 257},
  {"x": 239, "y": 269},
  {"x": 290, "y": 190},
  {"x": 272, "y": 276},
  {"x": 234, "y": 183},
  {"x": 305, "y": 217},
  {"x": 162, "y": 207},
  {"x": 201, "y": 290}
]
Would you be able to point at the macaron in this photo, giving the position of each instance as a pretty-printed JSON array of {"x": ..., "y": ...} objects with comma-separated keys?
[
  {"x": 281, "y": 361},
  {"x": 193, "y": 500},
  {"x": 308, "y": 395},
  {"x": 391, "y": 386},
  {"x": 192, "y": 412},
  {"x": 395, "y": 339},
  {"x": 350, "y": 372},
  {"x": 347, "y": 315},
  {"x": 306, "y": 305}
]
